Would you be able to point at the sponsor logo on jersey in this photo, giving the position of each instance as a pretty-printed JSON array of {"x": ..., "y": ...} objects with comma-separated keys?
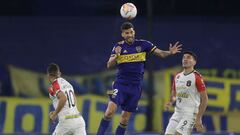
[
  {"x": 181, "y": 87},
  {"x": 183, "y": 95},
  {"x": 136, "y": 57}
]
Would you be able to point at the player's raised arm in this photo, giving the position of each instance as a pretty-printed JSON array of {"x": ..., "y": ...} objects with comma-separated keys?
[{"x": 173, "y": 49}]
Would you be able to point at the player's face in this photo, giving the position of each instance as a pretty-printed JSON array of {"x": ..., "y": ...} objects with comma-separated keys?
[
  {"x": 128, "y": 35},
  {"x": 188, "y": 61}
]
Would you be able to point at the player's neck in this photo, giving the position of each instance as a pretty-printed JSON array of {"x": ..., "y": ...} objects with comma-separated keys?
[
  {"x": 187, "y": 71},
  {"x": 53, "y": 79},
  {"x": 129, "y": 43}
]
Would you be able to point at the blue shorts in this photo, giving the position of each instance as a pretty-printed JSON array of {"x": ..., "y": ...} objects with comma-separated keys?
[{"x": 126, "y": 95}]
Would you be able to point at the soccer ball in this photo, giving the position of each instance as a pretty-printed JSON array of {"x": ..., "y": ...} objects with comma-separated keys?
[{"x": 128, "y": 11}]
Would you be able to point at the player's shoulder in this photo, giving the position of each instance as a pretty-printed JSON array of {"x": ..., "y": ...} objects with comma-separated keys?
[
  {"x": 56, "y": 84},
  {"x": 60, "y": 81},
  {"x": 120, "y": 42},
  {"x": 142, "y": 40},
  {"x": 178, "y": 74},
  {"x": 197, "y": 74},
  {"x": 65, "y": 84}
]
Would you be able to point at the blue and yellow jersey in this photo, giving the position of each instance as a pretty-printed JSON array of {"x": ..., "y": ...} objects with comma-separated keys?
[{"x": 131, "y": 62}]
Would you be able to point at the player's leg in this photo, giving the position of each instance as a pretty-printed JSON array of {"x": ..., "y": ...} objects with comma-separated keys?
[
  {"x": 112, "y": 107},
  {"x": 80, "y": 131},
  {"x": 185, "y": 125},
  {"x": 129, "y": 105},
  {"x": 172, "y": 124},
  {"x": 125, "y": 116},
  {"x": 61, "y": 129},
  {"x": 115, "y": 100},
  {"x": 79, "y": 126}
]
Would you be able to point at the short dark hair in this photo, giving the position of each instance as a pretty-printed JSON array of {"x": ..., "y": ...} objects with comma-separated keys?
[
  {"x": 192, "y": 54},
  {"x": 126, "y": 25},
  {"x": 53, "y": 69}
]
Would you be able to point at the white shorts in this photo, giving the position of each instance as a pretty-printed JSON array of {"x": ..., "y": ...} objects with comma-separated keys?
[
  {"x": 181, "y": 123},
  {"x": 74, "y": 126}
]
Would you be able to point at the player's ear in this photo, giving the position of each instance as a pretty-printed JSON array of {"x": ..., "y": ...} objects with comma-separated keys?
[
  {"x": 59, "y": 73},
  {"x": 194, "y": 62},
  {"x": 122, "y": 34}
]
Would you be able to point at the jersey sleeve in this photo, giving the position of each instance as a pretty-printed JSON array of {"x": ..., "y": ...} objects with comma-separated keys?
[
  {"x": 200, "y": 83},
  {"x": 149, "y": 47},
  {"x": 54, "y": 89}
]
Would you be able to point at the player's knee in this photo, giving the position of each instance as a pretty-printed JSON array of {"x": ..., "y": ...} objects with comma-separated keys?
[
  {"x": 112, "y": 107},
  {"x": 109, "y": 114},
  {"x": 124, "y": 119}
]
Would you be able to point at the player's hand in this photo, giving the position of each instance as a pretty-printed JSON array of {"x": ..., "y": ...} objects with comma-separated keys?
[
  {"x": 53, "y": 116},
  {"x": 176, "y": 48},
  {"x": 118, "y": 50},
  {"x": 168, "y": 105},
  {"x": 199, "y": 126}
]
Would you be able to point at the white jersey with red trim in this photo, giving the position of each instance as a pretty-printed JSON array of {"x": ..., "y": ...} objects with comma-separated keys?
[
  {"x": 70, "y": 108},
  {"x": 188, "y": 88}
]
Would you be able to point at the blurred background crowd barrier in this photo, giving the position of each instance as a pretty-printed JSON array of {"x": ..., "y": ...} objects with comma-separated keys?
[{"x": 28, "y": 112}]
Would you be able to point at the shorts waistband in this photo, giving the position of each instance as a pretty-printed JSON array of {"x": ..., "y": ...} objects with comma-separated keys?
[{"x": 72, "y": 116}]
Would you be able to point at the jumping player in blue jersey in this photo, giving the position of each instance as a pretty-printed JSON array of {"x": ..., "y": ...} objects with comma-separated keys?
[{"x": 129, "y": 56}]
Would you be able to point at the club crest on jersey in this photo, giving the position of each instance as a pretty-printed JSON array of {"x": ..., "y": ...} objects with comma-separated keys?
[
  {"x": 188, "y": 83},
  {"x": 138, "y": 48}
]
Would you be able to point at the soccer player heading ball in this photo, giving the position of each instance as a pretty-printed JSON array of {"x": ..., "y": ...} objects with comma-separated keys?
[{"x": 129, "y": 56}]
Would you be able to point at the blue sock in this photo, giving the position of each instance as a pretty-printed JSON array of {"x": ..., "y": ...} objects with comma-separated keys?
[
  {"x": 103, "y": 126},
  {"x": 121, "y": 129}
]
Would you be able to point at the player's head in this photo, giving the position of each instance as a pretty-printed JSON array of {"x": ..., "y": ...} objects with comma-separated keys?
[
  {"x": 189, "y": 59},
  {"x": 53, "y": 71},
  {"x": 128, "y": 32}
]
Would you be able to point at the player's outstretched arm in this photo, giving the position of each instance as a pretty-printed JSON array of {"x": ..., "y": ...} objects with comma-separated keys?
[
  {"x": 202, "y": 108},
  {"x": 173, "y": 49}
]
